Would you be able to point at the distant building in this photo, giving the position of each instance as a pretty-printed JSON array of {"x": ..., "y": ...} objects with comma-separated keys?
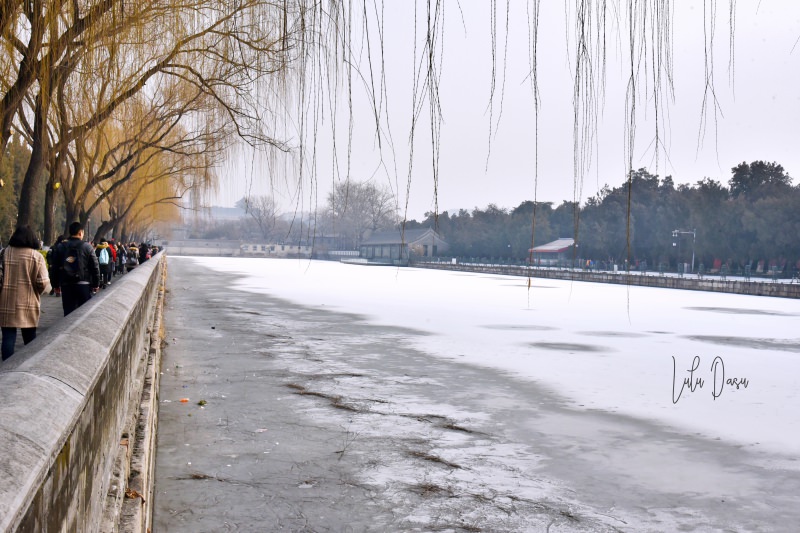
[
  {"x": 553, "y": 253},
  {"x": 200, "y": 247},
  {"x": 226, "y": 213},
  {"x": 203, "y": 247},
  {"x": 275, "y": 250},
  {"x": 395, "y": 247}
]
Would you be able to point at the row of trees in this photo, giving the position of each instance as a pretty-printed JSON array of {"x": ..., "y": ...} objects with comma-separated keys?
[
  {"x": 755, "y": 217},
  {"x": 119, "y": 108},
  {"x": 126, "y": 107},
  {"x": 352, "y": 211}
]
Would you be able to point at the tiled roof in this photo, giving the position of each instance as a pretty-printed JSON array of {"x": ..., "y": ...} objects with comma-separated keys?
[
  {"x": 396, "y": 237},
  {"x": 558, "y": 245}
]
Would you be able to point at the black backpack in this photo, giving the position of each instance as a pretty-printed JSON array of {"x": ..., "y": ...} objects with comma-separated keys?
[{"x": 72, "y": 265}]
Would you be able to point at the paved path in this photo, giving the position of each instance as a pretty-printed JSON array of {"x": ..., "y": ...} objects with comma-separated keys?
[{"x": 52, "y": 312}]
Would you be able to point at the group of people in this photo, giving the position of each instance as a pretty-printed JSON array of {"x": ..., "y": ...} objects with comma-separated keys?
[
  {"x": 75, "y": 270},
  {"x": 112, "y": 258}
]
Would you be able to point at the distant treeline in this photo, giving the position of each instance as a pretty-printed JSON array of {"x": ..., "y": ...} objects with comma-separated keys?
[{"x": 755, "y": 218}]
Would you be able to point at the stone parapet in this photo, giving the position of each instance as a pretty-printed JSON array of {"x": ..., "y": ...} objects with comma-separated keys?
[{"x": 69, "y": 409}]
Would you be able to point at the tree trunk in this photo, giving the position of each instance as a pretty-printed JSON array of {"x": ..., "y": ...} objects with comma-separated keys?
[
  {"x": 71, "y": 216},
  {"x": 58, "y": 176},
  {"x": 102, "y": 229},
  {"x": 49, "y": 213},
  {"x": 119, "y": 229},
  {"x": 33, "y": 175},
  {"x": 123, "y": 232}
]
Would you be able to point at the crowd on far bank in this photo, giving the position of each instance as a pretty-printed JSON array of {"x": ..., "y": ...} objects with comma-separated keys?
[{"x": 71, "y": 269}]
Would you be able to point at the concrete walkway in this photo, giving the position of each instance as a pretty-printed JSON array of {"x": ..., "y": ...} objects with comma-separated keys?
[{"x": 52, "y": 312}]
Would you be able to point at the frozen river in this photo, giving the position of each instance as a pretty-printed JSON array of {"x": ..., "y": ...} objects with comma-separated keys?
[{"x": 343, "y": 397}]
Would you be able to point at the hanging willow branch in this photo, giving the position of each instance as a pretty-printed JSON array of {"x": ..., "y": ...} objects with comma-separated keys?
[{"x": 276, "y": 71}]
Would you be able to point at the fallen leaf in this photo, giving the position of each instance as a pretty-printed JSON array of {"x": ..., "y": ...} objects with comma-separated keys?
[{"x": 132, "y": 494}]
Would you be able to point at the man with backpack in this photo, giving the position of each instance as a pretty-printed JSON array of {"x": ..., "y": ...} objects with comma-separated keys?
[{"x": 76, "y": 270}]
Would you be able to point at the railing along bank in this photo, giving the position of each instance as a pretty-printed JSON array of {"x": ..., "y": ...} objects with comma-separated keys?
[{"x": 778, "y": 288}]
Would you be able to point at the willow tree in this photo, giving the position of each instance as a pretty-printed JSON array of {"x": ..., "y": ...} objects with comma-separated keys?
[
  {"x": 145, "y": 131},
  {"x": 247, "y": 54},
  {"x": 641, "y": 31},
  {"x": 42, "y": 39},
  {"x": 223, "y": 48},
  {"x": 155, "y": 190}
]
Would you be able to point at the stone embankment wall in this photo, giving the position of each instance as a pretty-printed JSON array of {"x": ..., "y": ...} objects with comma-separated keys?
[
  {"x": 692, "y": 283},
  {"x": 78, "y": 410}
]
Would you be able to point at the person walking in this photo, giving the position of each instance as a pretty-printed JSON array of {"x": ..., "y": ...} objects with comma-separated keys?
[
  {"x": 49, "y": 259},
  {"x": 104, "y": 259},
  {"x": 112, "y": 248},
  {"x": 144, "y": 252},
  {"x": 24, "y": 278},
  {"x": 133, "y": 257},
  {"x": 122, "y": 258},
  {"x": 77, "y": 270}
]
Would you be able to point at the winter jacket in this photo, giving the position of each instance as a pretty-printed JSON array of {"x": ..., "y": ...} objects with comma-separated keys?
[
  {"x": 25, "y": 278},
  {"x": 104, "y": 246},
  {"x": 89, "y": 274}
]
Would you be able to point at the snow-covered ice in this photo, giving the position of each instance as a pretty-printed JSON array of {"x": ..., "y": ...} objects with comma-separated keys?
[
  {"x": 449, "y": 401},
  {"x": 605, "y": 347}
]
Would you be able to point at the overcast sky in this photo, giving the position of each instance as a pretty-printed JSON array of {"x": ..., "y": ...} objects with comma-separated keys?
[{"x": 757, "y": 118}]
